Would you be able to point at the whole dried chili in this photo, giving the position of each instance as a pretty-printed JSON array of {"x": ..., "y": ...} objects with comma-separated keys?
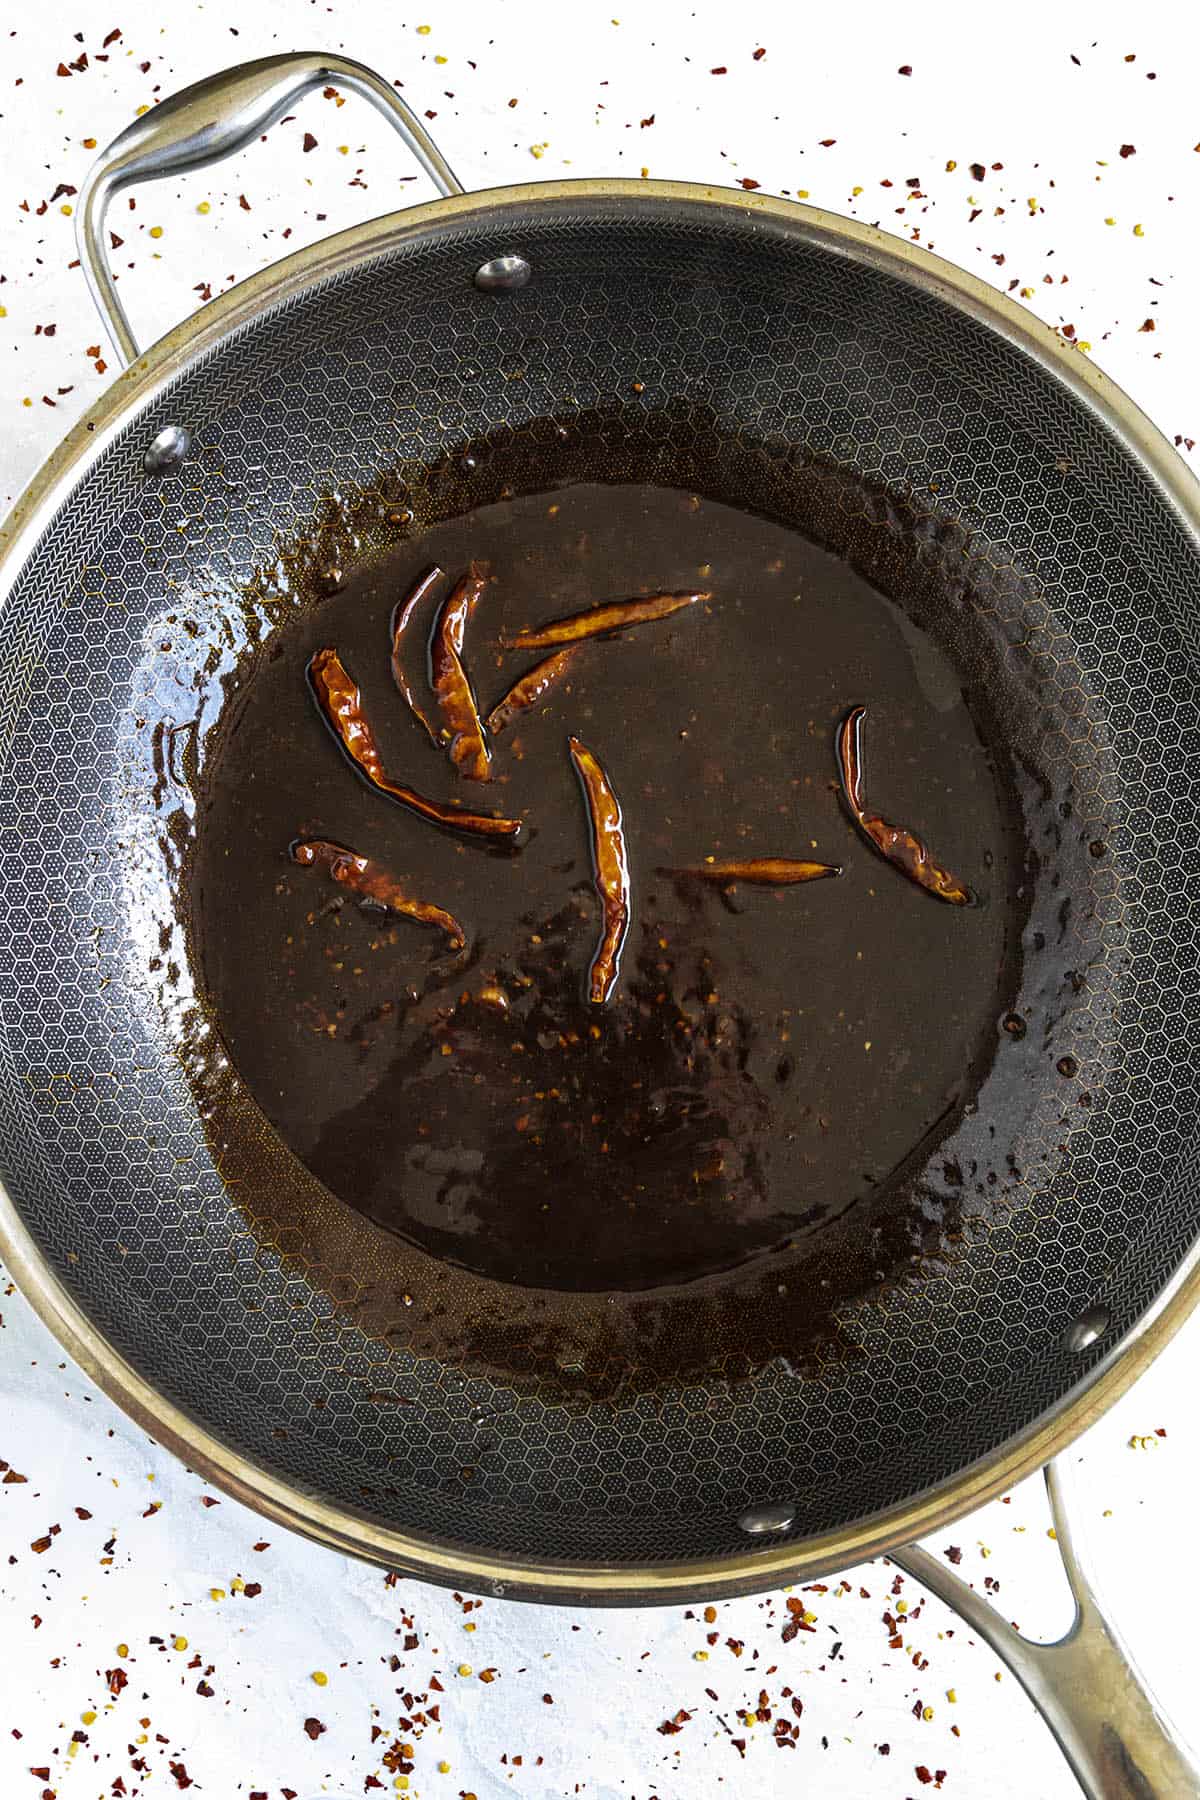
[
  {"x": 529, "y": 689},
  {"x": 340, "y": 702},
  {"x": 897, "y": 846},
  {"x": 402, "y": 618},
  {"x": 468, "y": 746},
  {"x": 367, "y": 878},
  {"x": 617, "y": 615},
  {"x": 763, "y": 871},
  {"x": 611, "y": 867}
]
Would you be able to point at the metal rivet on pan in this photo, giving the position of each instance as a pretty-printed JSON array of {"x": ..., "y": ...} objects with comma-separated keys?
[
  {"x": 1088, "y": 1327},
  {"x": 503, "y": 274},
  {"x": 758, "y": 1520},
  {"x": 167, "y": 450}
]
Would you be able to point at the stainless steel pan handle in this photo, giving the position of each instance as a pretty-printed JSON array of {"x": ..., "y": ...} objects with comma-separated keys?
[
  {"x": 211, "y": 120},
  {"x": 1085, "y": 1685}
]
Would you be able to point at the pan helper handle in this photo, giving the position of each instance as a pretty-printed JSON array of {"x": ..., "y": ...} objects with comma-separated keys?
[
  {"x": 1085, "y": 1685},
  {"x": 211, "y": 120}
]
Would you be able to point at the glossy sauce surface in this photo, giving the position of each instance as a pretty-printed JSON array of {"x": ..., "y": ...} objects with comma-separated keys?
[{"x": 767, "y": 1058}]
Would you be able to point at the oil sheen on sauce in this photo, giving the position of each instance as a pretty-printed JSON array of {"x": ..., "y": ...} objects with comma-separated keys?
[{"x": 768, "y": 1058}]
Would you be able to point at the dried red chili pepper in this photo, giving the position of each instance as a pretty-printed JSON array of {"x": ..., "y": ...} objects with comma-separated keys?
[
  {"x": 340, "y": 702},
  {"x": 611, "y": 866},
  {"x": 763, "y": 871},
  {"x": 618, "y": 615},
  {"x": 402, "y": 618},
  {"x": 896, "y": 845},
  {"x": 468, "y": 746},
  {"x": 529, "y": 689},
  {"x": 369, "y": 879}
]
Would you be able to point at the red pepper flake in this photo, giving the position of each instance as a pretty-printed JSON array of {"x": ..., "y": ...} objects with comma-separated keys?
[
  {"x": 548, "y": 1699},
  {"x": 116, "y": 1679},
  {"x": 314, "y": 1728},
  {"x": 144, "y": 67},
  {"x": 12, "y": 1477},
  {"x": 828, "y": 143},
  {"x": 243, "y": 203},
  {"x": 745, "y": 181},
  {"x": 923, "y": 1775},
  {"x": 648, "y": 121},
  {"x": 1128, "y": 150},
  {"x": 182, "y": 1778},
  {"x": 81, "y": 1512},
  {"x": 39, "y": 1545},
  {"x": 252, "y": 1590},
  {"x": 202, "y": 1687},
  {"x": 62, "y": 69},
  {"x": 111, "y": 38},
  {"x": 721, "y": 71},
  {"x": 488, "y": 1675},
  {"x": 759, "y": 54},
  {"x": 978, "y": 172},
  {"x": 310, "y": 142},
  {"x": 207, "y": 1500},
  {"x": 952, "y": 1553},
  {"x": 671, "y": 1727},
  {"x": 1147, "y": 325},
  {"x": 262, "y": 1546},
  {"x": 1160, "y": 1431},
  {"x": 40, "y": 1773},
  {"x": 904, "y": 69}
]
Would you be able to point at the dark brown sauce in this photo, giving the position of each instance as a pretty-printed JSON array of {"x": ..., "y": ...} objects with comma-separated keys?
[{"x": 770, "y": 1060}]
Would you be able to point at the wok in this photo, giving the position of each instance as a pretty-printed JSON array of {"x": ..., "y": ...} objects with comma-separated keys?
[{"x": 892, "y": 407}]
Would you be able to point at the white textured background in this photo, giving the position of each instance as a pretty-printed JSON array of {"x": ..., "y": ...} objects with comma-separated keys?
[{"x": 1098, "y": 243}]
